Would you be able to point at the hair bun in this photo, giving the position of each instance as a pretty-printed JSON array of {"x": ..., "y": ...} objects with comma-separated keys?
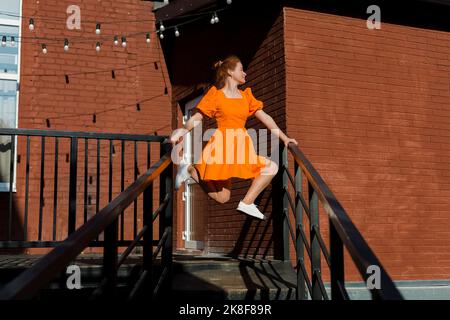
[{"x": 218, "y": 64}]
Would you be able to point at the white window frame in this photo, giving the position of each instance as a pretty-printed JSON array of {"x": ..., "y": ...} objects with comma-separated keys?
[{"x": 4, "y": 186}]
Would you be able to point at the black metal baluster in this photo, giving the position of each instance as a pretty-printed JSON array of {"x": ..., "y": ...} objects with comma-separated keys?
[
  {"x": 86, "y": 152},
  {"x": 135, "y": 201},
  {"x": 165, "y": 221},
  {"x": 110, "y": 259},
  {"x": 315, "y": 245},
  {"x": 148, "y": 155},
  {"x": 148, "y": 223},
  {"x": 27, "y": 179},
  {"x": 285, "y": 181},
  {"x": 11, "y": 178},
  {"x": 122, "y": 187},
  {"x": 337, "y": 264},
  {"x": 110, "y": 170},
  {"x": 73, "y": 184},
  {"x": 300, "y": 252},
  {"x": 148, "y": 235},
  {"x": 41, "y": 188},
  {"x": 55, "y": 189},
  {"x": 97, "y": 196}
]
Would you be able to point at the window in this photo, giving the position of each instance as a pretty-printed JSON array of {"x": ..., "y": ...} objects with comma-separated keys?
[{"x": 10, "y": 22}]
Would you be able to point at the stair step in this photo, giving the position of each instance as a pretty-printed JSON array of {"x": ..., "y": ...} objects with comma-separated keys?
[{"x": 225, "y": 278}]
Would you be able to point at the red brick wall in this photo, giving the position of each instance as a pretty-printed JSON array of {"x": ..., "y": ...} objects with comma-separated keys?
[
  {"x": 369, "y": 108},
  {"x": 70, "y": 106}
]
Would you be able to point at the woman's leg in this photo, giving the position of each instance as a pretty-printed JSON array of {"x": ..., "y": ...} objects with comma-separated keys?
[
  {"x": 261, "y": 181},
  {"x": 220, "y": 190}
]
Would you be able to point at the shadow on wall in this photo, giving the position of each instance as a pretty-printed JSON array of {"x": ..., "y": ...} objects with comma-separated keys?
[{"x": 254, "y": 248}]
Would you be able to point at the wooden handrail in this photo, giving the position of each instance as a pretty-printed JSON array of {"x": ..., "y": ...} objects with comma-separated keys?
[{"x": 28, "y": 283}]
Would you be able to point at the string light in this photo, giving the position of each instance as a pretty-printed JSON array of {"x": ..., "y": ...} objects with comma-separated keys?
[
  {"x": 214, "y": 20},
  {"x": 66, "y": 45},
  {"x": 31, "y": 25},
  {"x": 3, "y": 41},
  {"x": 44, "y": 49},
  {"x": 97, "y": 47}
]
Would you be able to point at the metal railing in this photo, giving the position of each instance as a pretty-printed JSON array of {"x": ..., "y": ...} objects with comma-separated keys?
[
  {"x": 47, "y": 223},
  {"x": 29, "y": 283},
  {"x": 343, "y": 233}
]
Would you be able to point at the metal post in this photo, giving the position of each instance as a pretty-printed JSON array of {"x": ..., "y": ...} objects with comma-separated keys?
[
  {"x": 73, "y": 184},
  {"x": 315, "y": 245},
  {"x": 337, "y": 263},
  {"x": 166, "y": 220},
  {"x": 300, "y": 252},
  {"x": 110, "y": 258},
  {"x": 148, "y": 235},
  {"x": 285, "y": 182}
]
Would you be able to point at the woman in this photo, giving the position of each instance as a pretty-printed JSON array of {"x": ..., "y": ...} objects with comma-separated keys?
[{"x": 230, "y": 107}]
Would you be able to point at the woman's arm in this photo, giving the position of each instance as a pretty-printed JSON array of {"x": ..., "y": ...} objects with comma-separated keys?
[
  {"x": 189, "y": 125},
  {"x": 272, "y": 126}
]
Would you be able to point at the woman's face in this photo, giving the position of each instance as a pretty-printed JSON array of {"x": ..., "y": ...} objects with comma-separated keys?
[{"x": 238, "y": 74}]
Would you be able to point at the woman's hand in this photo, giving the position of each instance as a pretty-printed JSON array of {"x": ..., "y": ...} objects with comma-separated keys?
[{"x": 288, "y": 140}]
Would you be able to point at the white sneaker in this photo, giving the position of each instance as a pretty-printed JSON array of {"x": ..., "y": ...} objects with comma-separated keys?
[
  {"x": 251, "y": 210},
  {"x": 182, "y": 174}
]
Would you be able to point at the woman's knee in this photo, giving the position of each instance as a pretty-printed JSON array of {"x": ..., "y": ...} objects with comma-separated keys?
[
  {"x": 272, "y": 168},
  {"x": 221, "y": 197}
]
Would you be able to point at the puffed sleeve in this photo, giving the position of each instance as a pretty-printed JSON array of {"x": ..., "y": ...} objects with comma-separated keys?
[
  {"x": 208, "y": 104},
  {"x": 253, "y": 103}
]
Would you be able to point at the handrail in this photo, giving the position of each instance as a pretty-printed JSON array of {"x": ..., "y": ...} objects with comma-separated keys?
[
  {"x": 28, "y": 283},
  {"x": 351, "y": 238},
  {"x": 80, "y": 134}
]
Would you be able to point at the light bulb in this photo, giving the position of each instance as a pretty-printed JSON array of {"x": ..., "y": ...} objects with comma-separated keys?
[
  {"x": 213, "y": 20},
  {"x": 229, "y": 1},
  {"x": 124, "y": 42},
  {"x": 216, "y": 18},
  {"x": 148, "y": 38},
  {"x": 97, "y": 47},
  {"x": 177, "y": 33},
  {"x": 116, "y": 40},
  {"x": 13, "y": 42},
  {"x": 97, "y": 29},
  {"x": 44, "y": 49},
  {"x": 161, "y": 35},
  {"x": 3, "y": 41},
  {"x": 31, "y": 26},
  {"x": 161, "y": 26},
  {"x": 66, "y": 45}
]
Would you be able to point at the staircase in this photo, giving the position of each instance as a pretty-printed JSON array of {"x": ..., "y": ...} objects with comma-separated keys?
[
  {"x": 162, "y": 273},
  {"x": 195, "y": 277},
  {"x": 218, "y": 278}
]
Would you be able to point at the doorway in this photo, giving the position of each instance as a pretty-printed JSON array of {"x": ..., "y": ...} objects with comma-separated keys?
[{"x": 192, "y": 196}]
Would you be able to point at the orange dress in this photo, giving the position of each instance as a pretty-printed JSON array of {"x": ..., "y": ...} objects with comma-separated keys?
[{"x": 230, "y": 151}]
